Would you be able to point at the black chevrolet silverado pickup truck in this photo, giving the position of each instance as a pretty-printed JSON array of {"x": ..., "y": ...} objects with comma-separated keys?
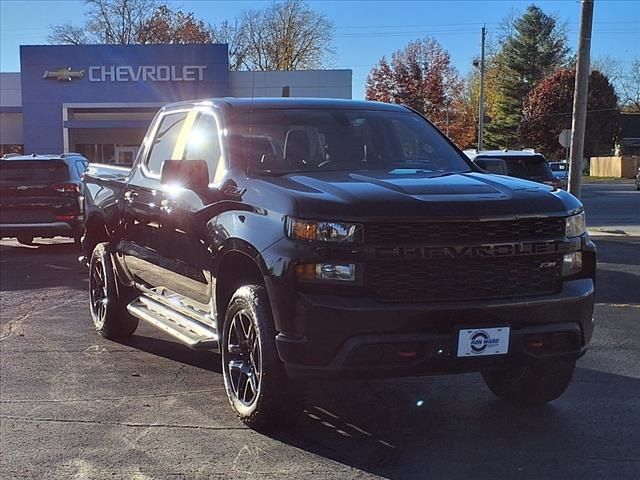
[{"x": 308, "y": 239}]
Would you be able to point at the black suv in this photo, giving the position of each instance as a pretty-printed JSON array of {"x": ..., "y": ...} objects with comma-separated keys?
[
  {"x": 525, "y": 164},
  {"x": 307, "y": 238},
  {"x": 41, "y": 196}
]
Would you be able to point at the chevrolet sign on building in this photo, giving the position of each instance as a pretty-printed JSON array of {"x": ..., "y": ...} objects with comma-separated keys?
[
  {"x": 147, "y": 73},
  {"x": 98, "y": 100}
]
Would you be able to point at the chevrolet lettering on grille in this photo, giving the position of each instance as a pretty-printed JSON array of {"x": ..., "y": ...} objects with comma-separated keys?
[{"x": 476, "y": 251}]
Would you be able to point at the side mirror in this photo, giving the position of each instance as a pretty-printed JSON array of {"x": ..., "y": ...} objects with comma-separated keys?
[
  {"x": 191, "y": 174},
  {"x": 492, "y": 165}
]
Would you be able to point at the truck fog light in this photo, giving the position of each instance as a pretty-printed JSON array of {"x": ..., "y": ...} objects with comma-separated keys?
[
  {"x": 571, "y": 263},
  {"x": 341, "y": 272},
  {"x": 331, "y": 271}
]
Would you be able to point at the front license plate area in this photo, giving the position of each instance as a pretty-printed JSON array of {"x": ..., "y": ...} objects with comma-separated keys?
[{"x": 477, "y": 342}]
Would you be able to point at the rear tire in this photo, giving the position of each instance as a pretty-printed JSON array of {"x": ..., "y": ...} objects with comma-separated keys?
[
  {"x": 535, "y": 383},
  {"x": 107, "y": 298},
  {"x": 258, "y": 388},
  {"x": 25, "y": 240}
]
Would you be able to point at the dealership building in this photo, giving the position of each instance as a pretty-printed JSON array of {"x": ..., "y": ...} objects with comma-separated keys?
[{"x": 99, "y": 99}]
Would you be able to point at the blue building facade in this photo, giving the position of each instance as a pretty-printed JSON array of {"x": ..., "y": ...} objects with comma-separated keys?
[{"x": 70, "y": 91}]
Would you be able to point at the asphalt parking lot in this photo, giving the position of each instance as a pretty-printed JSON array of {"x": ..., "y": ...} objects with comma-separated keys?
[{"x": 73, "y": 405}]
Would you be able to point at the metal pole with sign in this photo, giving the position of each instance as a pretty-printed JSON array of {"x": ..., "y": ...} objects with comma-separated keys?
[
  {"x": 565, "y": 140},
  {"x": 580, "y": 98}
]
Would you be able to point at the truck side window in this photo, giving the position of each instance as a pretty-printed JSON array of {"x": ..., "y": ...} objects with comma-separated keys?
[
  {"x": 164, "y": 141},
  {"x": 204, "y": 143}
]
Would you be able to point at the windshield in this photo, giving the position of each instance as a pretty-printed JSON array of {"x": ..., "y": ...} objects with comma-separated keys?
[
  {"x": 527, "y": 167},
  {"x": 284, "y": 141}
]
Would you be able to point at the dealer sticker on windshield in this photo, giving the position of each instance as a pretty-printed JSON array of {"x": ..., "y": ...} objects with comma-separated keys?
[{"x": 483, "y": 341}]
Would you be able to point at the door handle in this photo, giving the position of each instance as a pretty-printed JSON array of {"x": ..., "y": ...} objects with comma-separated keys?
[
  {"x": 130, "y": 195},
  {"x": 167, "y": 205}
]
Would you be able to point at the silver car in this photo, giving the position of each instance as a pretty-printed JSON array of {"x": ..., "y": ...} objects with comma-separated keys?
[{"x": 560, "y": 172}]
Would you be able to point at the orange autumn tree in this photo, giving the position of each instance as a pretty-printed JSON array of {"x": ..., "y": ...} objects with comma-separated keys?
[{"x": 421, "y": 76}]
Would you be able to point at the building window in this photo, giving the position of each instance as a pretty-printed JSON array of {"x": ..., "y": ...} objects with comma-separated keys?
[{"x": 108, "y": 153}]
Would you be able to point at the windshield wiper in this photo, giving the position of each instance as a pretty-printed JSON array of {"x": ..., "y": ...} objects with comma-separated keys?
[{"x": 270, "y": 173}]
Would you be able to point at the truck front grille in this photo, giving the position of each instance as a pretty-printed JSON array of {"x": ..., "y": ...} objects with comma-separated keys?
[
  {"x": 404, "y": 280},
  {"x": 464, "y": 233}
]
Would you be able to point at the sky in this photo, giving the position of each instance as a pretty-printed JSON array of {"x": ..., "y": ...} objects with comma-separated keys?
[{"x": 364, "y": 30}]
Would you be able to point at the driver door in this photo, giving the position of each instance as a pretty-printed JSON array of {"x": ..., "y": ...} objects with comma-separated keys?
[{"x": 185, "y": 245}]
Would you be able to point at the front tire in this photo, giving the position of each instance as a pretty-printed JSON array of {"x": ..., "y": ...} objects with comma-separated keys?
[
  {"x": 108, "y": 304},
  {"x": 258, "y": 388},
  {"x": 534, "y": 383},
  {"x": 25, "y": 240}
]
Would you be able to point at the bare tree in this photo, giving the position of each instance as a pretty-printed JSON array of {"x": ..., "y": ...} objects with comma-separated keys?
[
  {"x": 108, "y": 21},
  {"x": 232, "y": 33},
  {"x": 629, "y": 88},
  {"x": 68, "y": 34},
  {"x": 286, "y": 35}
]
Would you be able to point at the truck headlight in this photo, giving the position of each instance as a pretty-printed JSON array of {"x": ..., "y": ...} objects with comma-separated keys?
[
  {"x": 323, "y": 231},
  {"x": 574, "y": 225}
]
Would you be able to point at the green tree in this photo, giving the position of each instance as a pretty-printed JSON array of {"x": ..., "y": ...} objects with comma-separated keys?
[
  {"x": 547, "y": 111},
  {"x": 536, "y": 47}
]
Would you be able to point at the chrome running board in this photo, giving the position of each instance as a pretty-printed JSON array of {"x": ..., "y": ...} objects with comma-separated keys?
[{"x": 185, "y": 324}]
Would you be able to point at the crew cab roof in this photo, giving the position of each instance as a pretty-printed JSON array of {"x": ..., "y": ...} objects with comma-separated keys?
[{"x": 246, "y": 104}]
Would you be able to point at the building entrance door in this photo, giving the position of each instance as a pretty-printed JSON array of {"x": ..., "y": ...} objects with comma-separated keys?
[{"x": 125, "y": 154}]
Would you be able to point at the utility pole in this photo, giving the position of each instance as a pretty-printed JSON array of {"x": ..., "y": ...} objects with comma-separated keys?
[
  {"x": 481, "y": 99},
  {"x": 579, "y": 118}
]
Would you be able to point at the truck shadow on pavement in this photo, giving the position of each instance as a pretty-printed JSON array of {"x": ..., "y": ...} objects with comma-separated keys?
[
  {"x": 41, "y": 266},
  {"x": 175, "y": 351},
  {"x": 451, "y": 427}
]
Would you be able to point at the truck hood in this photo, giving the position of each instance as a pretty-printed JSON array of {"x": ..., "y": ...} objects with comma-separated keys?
[{"x": 413, "y": 193}]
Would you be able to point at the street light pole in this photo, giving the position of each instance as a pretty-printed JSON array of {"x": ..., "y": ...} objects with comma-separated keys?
[
  {"x": 481, "y": 99},
  {"x": 579, "y": 118}
]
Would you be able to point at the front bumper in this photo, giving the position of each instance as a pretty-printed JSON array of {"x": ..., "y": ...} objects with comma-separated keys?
[{"x": 357, "y": 337}]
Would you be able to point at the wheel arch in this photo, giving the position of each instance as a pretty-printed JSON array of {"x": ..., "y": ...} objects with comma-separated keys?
[
  {"x": 236, "y": 267},
  {"x": 95, "y": 232}
]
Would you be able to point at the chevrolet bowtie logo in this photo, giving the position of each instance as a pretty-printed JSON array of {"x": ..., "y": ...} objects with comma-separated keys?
[{"x": 63, "y": 74}]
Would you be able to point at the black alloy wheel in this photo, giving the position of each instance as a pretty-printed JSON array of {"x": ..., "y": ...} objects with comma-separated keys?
[
  {"x": 244, "y": 365},
  {"x": 258, "y": 388},
  {"x": 108, "y": 298},
  {"x": 98, "y": 293}
]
